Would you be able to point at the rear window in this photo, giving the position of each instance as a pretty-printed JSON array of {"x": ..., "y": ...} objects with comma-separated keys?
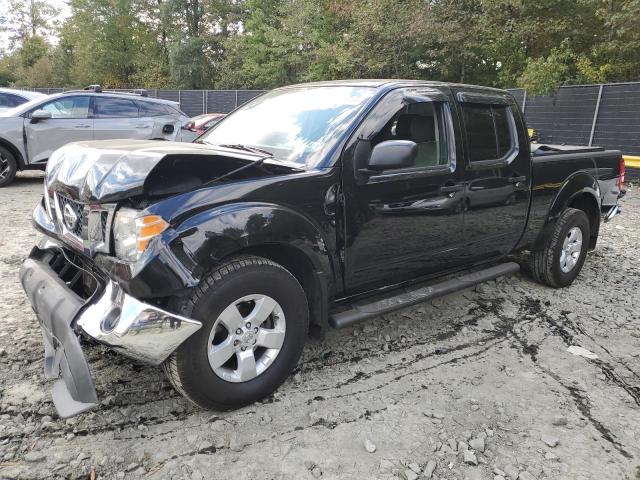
[
  {"x": 107, "y": 107},
  {"x": 489, "y": 134}
]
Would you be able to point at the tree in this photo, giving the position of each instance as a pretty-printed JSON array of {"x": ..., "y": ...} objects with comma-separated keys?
[{"x": 24, "y": 19}]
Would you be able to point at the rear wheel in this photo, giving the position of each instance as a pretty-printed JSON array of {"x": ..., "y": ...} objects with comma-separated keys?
[
  {"x": 8, "y": 167},
  {"x": 558, "y": 259},
  {"x": 255, "y": 322}
]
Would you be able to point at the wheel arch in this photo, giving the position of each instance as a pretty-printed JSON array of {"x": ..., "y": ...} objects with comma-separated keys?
[
  {"x": 580, "y": 191},
  {"x": 14, "y": 151},
  {"x": 301, "y": 267},
  {"x": 275, "y": 232}
]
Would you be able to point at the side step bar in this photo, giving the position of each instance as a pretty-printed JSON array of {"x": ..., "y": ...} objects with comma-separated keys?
[{"x": 407, "y": 298}]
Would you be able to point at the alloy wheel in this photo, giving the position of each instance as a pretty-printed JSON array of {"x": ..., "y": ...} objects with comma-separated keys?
[
  {"x": 571, "y": 249},
  {"x": 246, "y": 338}
]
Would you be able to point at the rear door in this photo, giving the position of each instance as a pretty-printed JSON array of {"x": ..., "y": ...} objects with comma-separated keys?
[
  {"x": 497, "y": 172},
  {"x": 403, "y": 223},
  {"x": 116, "y": 117},
  {"x": 69, "y": 122}
]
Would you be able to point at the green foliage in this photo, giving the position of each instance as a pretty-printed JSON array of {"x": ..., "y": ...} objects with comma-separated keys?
[
  {"x": 186, "y": 44},
  {"x": 541, "y": 75},
  {"x": 33, "y": 49}
]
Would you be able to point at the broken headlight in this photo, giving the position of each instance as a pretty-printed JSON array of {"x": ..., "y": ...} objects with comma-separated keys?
[{"x": 132, "y": 232}]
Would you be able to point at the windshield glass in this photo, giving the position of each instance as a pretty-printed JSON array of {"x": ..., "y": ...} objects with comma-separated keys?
[{"x": 296, "y": 124}]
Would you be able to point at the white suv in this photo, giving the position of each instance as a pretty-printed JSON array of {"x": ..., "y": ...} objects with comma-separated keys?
[{"x": 30, "y": 132}]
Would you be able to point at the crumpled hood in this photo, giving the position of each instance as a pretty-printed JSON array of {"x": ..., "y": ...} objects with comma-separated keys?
[{"x": 111, "y": 170}]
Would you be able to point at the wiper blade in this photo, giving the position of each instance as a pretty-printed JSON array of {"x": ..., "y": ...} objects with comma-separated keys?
[{"x": 248, "y": 148}]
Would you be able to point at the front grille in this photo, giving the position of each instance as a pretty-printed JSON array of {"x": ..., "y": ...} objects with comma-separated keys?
[
  {"x": 85, "y": 227},
  {"x": 72, "y": 214}
]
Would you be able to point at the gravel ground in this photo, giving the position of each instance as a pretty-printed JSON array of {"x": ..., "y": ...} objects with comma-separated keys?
[{"x": 477, "y": 385}]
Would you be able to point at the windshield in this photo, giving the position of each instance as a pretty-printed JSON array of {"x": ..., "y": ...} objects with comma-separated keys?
[{"x": 296, "y": 124}]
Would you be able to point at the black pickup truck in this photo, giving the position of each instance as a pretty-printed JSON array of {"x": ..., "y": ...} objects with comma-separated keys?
[{"x": 312, "y": 206}]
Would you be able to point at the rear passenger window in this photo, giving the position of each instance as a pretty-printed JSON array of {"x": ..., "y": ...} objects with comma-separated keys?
[
  {"x": 489, "y": 131},
  {"x": 107, "y": 107},
  {"x": 152, "y": 109}
]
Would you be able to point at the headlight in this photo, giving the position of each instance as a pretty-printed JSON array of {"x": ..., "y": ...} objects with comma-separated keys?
[{"x": 132, "y": 232}]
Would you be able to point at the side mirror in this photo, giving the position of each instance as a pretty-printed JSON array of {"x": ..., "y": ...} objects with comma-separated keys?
[
  {"x": 393, "y": 154},
  {"x": 40, "y": 115},
  {"x": 167, "y": 129}
]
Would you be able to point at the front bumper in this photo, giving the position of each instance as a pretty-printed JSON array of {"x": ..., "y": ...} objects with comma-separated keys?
[{"x": 110, "y": 316}]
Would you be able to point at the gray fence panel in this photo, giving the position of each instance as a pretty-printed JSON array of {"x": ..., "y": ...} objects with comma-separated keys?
[
  {"x": 618, "y": 123},
  {"x": 566, "y": 117},
  {"x": 192, "y": 102},
  {"x": 221, "y": 101},
  {"x": 245, "y": 95},
  {"x": 173, "y": 95}
]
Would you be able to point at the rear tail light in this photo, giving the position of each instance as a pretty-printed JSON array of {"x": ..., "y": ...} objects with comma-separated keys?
[{"x": 621, "y": 177}]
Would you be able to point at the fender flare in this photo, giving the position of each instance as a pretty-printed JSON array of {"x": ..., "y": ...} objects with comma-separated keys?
[
  {"x": 578, "y": 184},
  {"x": 204, "y": 239}
]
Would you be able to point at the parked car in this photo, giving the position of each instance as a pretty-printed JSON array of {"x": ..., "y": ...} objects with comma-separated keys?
[
  {"x": 31, "y": 132},
  {"x": 11, "y": 98},
  {"x": 216, "y": 259},
  {"x": 201, "y": 123}
]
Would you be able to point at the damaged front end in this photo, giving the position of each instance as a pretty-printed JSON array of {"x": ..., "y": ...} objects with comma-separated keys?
[
  {"x": 88, "y": 277},
  {"x": 70, "y": 297}
]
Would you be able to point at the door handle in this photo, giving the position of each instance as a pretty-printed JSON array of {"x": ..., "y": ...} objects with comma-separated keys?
[
  {"x": 82, "y": 125},
  {"x": 142, "y": 126},
  {"x": 518, "y": 179},
  {"x": 451, "y": 188}
]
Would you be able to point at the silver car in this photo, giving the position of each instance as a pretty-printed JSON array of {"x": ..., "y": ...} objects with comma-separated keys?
[
  {"x": 30, "y": 132},
  {"x": 11, "y": 98}
]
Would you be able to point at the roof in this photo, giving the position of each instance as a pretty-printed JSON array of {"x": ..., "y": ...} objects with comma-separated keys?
[
  {"x": 390, "y": 83},
  {"x": 115, "y": 94}
]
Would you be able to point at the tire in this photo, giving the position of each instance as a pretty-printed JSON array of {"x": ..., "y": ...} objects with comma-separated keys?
[
  {"x": 546, "y": 261},
  {"x": 8, "y": 167},
  {"x": 189, "y": 369}
]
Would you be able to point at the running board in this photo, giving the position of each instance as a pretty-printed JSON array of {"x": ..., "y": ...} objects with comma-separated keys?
[{"x": 408, "y": 297}]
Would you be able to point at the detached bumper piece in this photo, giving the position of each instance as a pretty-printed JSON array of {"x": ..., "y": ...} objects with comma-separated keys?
[
  {"x": 56, "y": 306},
  {"x": 69, "y": 298}
]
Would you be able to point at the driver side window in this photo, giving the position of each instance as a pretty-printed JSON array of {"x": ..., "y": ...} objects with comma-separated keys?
[
  {"x": 68, "y": 107},
  {"x": 422, "y": 123}
]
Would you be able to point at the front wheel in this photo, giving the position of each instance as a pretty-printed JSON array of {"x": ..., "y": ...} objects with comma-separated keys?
[
  {"x": 255, "y": 321},
  {"x": 8, "y": 167},
  {"x": 558, "y": 259}
]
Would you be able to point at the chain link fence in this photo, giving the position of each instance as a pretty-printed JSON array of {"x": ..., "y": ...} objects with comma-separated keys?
[{"x": 605, "y": 115}]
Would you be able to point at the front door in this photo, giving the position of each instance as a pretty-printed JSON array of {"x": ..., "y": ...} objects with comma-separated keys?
[
  {"x": 403, "y": 223},
  {"x": 69, "y": 122},
  {"x": 497, "y": 173}
]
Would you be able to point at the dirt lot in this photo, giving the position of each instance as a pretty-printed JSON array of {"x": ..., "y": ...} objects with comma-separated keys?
[{"x": 478, "y": 385}]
